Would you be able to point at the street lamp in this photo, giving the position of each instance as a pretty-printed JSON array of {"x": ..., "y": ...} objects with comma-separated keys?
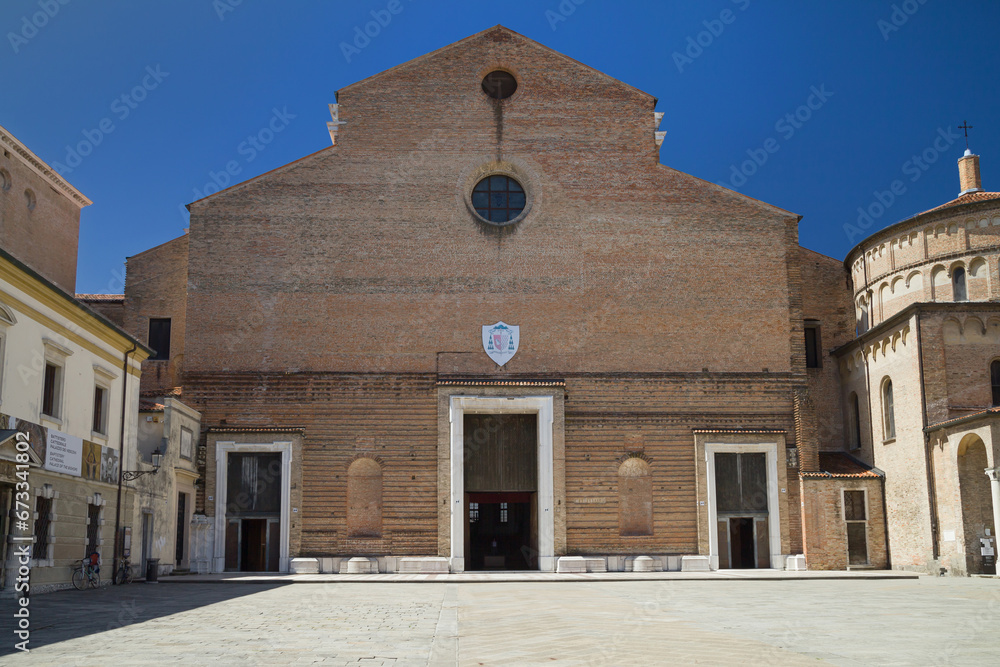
[{"x": 130, "y": 475}]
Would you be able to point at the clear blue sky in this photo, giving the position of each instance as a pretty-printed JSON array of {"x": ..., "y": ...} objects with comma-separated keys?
[{"x": 888, "y": 83}]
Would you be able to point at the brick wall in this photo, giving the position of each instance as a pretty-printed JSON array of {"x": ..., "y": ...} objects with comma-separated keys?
[
  {"x": 45, "y": 238},
  {"x": 823, "y": 509},
  {"x": 156, "y": 287}
]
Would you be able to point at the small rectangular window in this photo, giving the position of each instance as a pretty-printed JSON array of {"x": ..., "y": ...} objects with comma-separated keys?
[
  {"x": 43, "y": 516},
  {"x": 100, "y": 410},
  {"x": 814, "y": 351},
  {"x": 51, "y": 389},
  {"x": 854, "y": 506},
  {"x": 995, "y": 381},
  {"x": 159, "y": 337},
  {"x": 856, "y": 517}
]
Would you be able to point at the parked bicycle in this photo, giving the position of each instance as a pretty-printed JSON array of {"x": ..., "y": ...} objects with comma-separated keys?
[
  {"x": 124, "y": 573},
  {"x": 88, "y": 573}
]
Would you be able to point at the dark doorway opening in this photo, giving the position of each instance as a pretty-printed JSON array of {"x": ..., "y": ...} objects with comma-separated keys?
[
  {"x": 741, "y": 542},
  {"x": 500, "y": 530},
  {"x": 253, "y": 512},
  {"x": 501, "y": 476},
  {"x": 253, "y": 545},
  {"x": 742, "y": 510}
]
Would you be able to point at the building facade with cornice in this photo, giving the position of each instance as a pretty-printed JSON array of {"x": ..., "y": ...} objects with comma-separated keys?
[{"x": 486, "y": 329}]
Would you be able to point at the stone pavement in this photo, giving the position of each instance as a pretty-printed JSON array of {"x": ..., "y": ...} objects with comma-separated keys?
[{"x": 643, "y": 622}]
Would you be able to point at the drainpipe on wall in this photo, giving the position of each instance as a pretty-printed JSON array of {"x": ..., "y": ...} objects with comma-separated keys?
[
  {"x": 931, "y": 494},
  {"x": 121, "y": 464},
  {"x": 871, "y": 423}
]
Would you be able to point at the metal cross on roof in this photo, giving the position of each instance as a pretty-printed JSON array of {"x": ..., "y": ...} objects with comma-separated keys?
[{"x": 965, "y": 126}]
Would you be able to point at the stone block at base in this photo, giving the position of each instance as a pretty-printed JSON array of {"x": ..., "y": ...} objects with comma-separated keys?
[
  {"x": 596, "y": 565},
  {"x": 429, "y": 565},
  {"x": 695, "y": 564},
  {"x": 795, "y": 563},
  {"x": 643, "y": 564},
  {"x": 359, "y": 565},
  {"x": 304, "y": 566},
  {"x": 567, "y": 564}
]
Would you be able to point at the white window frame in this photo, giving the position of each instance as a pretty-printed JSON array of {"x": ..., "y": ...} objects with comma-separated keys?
[
  {"x": 104, "y": 379},
  {"x": 56, "y": 355}
]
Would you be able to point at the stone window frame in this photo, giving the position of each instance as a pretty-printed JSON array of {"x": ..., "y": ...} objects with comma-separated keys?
[
  {"x": 7, "y": 319},
  {"x": 45, "y": 491},
  {"x": 104, "y": 378},
  {"x": 816, "y": 327},
  {"x": 959, "y": 283},
  {"x": 57, "y": 356},
  {"x": 865, "y": 521},
  {"x": 888, "y": 403},
  {"x": 855, "y": 435}
]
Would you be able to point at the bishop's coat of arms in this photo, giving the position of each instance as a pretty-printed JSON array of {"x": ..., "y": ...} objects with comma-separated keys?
[{"x": 500, "y": 341}]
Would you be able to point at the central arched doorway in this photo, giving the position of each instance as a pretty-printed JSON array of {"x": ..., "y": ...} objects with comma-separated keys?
[{"x": 977, "y": 503}]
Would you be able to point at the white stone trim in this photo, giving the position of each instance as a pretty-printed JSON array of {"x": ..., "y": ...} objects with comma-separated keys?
[
  {"x": 773, "y": 505},
  {"x": 222, "y": 451},
  {"x": 543, "y": 407}
]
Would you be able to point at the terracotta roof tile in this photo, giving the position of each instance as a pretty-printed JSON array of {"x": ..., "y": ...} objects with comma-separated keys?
[
  {"x": 100, "y": 297},
  {"x": 841, "y": 464},
  {"x": 969, "y": 198},
  {"x": 501, "y": 383}
]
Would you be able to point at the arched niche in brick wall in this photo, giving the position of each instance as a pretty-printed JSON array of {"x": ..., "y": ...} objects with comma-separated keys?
[
  {"x": 364, "y": 498},
  {"x": 635, "y": 497}
]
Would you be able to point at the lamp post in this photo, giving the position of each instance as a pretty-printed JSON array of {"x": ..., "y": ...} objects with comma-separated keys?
[{"x": 130, "y": 475}]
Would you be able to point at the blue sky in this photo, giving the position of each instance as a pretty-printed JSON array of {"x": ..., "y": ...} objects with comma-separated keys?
[{"x": 816, "y": 107}]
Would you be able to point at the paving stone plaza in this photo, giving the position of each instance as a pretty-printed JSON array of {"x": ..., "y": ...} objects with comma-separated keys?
[{"x": 925, "y": 621}]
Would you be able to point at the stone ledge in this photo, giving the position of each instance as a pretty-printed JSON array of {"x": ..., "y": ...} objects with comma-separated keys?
[
  {"x": 304, "y": 566},
  {"x": 695, "y": 564},
  {"x": 427, "y": 565}
]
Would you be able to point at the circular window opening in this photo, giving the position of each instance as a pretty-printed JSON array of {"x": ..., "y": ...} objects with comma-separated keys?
[
  {"x": 29, "y": 199},
  {"x": 498, "y": 199},
  {"x": 499, "y": 84}
]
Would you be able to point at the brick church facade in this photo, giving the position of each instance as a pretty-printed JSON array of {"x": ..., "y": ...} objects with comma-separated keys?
[{"x": 487, "y": 329}]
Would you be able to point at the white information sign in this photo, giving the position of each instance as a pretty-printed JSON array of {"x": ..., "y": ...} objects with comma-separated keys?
[{"x": 64, "y": 453}]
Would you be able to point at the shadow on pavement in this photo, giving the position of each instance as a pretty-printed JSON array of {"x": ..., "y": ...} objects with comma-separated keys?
[{"x": 63, "y": 615}]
